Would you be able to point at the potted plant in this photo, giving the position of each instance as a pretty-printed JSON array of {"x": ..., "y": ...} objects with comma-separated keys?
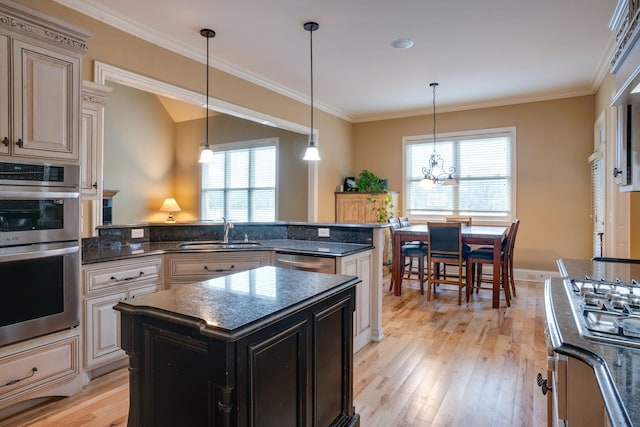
[{"x": 369, "y": 182}]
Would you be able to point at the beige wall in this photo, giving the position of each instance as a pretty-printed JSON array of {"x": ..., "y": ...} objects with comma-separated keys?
[
  {"x": 554, "y": 140},
  {"x": 149, "y": 157},
  {"x": 139, "y": 138},
  {"x": 292, "y": 174},
  {"x": 120, "y": 49}
]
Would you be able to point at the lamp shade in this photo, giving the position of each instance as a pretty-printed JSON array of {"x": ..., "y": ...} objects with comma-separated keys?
[
  {"x": 170, "y": 205},
  {"x": 206, "y": 156},
  {"x": 311, "y": 153}
]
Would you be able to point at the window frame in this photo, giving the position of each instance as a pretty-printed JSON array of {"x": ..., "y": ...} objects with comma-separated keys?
[
  {"x": 467, "y": 134},
  {"x": 240, "y": 145}
]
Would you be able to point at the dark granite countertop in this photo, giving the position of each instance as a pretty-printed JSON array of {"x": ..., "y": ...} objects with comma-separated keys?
[
  {"x": 617, "y": 368},
  {"x": 118, "y": 252},
  {"x": 232, "y": 306}
]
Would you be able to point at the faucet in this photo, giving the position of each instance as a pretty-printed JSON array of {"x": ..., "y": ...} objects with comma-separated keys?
[{"x": 227, "y": 225}]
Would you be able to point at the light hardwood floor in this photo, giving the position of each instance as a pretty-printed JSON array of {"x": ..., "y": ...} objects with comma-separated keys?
[{"x": 439, "y": 364}]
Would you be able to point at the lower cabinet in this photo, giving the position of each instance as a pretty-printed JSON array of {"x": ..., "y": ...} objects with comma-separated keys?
[
  {"x": 360, "y": 265},
  {"x": 45, "y": 366},
  {"x": 289, "y": 371},
  {"x": 192, "y": 267},
  {"x": 106, "y": 284}
]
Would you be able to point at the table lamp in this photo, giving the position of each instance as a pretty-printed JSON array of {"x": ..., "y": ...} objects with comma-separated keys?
[{"x": 170, "y": 205}]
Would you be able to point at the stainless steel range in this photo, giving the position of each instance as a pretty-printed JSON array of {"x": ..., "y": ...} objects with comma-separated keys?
[
  {"x": 605, "y": 297},
  {"x": 593, "y": 342}
]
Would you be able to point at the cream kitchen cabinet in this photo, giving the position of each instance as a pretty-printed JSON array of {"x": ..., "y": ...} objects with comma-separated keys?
[
  {"x": 94, "y": 99},
  {"x": 45, "y": 366},
  {"x": 183, "y": 268},
  {"x": 106, "y": 284},
  {"x": 40, "y": 84},
  {"x": 360, "y": 265}
]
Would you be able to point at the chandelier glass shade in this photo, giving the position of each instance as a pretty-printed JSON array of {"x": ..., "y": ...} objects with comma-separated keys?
[
  {"x": 206, "y": 155},
  {"x": 435, "y": 171}
]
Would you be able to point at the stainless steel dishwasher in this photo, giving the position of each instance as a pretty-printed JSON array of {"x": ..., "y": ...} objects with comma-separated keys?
[{"x": 319, "y": 264}]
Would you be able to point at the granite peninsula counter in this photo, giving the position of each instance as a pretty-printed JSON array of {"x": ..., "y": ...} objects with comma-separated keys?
[{"x": 270, "y": 345}]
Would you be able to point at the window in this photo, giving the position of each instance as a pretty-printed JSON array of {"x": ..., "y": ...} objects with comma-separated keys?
[
  {"x": 484, "y": 162},
  {"x": 240, "y": 183}
]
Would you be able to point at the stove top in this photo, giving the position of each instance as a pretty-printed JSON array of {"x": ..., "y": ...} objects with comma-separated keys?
[{"x": 605, "y": 298}]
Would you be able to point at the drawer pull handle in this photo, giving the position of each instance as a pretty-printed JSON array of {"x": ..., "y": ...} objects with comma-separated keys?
[
  {"x": 220, "y": 270},
  {"x": 5, "y": 141},
  {"x": 127, "y": 279},
  {"x": 543, "y": 384},
  {"x": 20, "y": 143},
  {"x": 12, "y": 382}
]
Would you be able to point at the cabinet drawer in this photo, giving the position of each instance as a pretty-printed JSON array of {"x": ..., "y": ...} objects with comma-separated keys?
[
  {"x": 52, "y": 362},
  {"x": 206, "y": 266},
  {"x": 108, "y": 274}
]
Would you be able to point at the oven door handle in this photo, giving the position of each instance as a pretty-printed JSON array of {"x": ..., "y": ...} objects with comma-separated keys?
[
  {"x": 38, "y": 251},
  {"x": 40, "y": 193}
]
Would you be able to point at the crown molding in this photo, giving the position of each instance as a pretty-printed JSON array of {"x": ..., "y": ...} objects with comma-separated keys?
[{"x": 92, "y": 9}]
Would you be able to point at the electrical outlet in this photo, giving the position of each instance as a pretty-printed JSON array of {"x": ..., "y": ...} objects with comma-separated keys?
[
  {"x": 323, "y": 232},
  {"x": 137, "y": 233}
]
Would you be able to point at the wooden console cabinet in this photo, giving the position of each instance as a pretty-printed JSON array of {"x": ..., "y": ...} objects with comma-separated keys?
[
  {"x": 266, "y": 347},
  {"x": 361, "y": 208}
]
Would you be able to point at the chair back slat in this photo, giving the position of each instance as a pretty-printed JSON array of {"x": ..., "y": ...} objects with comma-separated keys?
[{"x": 511, "y": 238}]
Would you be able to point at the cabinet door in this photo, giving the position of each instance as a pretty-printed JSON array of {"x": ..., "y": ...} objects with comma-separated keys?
[
  {"x": 102, "y": 323},
  {"x": 4, "y": 95},
  {"x": 360, "y": 265},
  {"x": 90, "y": 183},
  {"x": 46, "y": 100}
]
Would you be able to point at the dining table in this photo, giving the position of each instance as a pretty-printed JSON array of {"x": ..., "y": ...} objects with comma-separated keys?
[{"x": 488, "y": 235}]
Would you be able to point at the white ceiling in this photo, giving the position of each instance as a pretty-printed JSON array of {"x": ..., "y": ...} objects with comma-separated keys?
[{"x": 482, "y": 52}]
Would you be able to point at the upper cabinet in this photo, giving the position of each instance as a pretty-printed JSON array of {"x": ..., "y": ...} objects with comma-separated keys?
[
  {"x": 94, "y": 99},
  {"x": 625, "y": 65},
  {"x": 40, "y": 84}
]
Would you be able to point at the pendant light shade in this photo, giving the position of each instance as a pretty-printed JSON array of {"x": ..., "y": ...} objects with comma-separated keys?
[
  {"x": 206, "y": 155},
  {"x": 311, "y": 153}
]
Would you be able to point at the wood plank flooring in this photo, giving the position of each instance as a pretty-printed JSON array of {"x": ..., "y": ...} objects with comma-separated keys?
[{"x": 439, "y": 364}]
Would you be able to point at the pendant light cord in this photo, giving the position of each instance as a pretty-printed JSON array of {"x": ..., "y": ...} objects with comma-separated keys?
[
  {"x": 433, "y": 85},
  {"x": 311, "y": 54},
  {"x": 206, "y": 118}
]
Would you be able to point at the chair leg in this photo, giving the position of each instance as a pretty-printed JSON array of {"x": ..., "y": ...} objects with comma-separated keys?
[
  {"x": 505, "y": 283},
  {"x": 511, "y": 279},
  {"x": 421, "y": 273}
]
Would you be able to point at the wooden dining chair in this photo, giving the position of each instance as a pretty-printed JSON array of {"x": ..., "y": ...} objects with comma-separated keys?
[
  {"x": 464, "y": 220},
  {"x": 404, "y": 222},
  {"x": 411, "y": 251},
  {"x": 484, "y": 255},
  {"x": 445, "y": 246}
]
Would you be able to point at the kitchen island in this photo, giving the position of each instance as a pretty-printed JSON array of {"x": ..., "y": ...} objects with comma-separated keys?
[{"x": 268, "y": 346}]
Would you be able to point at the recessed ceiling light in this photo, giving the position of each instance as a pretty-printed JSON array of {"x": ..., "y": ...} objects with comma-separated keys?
[{"x": 402, "y": 43}]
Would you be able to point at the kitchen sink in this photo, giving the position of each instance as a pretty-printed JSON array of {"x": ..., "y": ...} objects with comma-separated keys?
[{"x": 218, "y": 244}]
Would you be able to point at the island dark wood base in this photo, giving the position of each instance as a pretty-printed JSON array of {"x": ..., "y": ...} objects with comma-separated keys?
[{"x": 290, "y": 369}]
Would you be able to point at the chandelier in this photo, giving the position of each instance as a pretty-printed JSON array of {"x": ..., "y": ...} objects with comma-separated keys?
[{"x": 435, "y": 173}]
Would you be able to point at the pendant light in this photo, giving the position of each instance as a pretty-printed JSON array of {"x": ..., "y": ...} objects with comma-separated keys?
[
  {"x": 435, "y": 172},
  {"x": 311, "y": 153},
  {"x": 206, "y": 155}
]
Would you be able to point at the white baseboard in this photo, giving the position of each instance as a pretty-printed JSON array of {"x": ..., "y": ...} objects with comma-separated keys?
[{"x": 534, "y": 275}]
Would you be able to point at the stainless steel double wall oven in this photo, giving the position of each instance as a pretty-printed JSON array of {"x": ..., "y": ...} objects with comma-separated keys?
[{"x": 39, "y": 249}]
